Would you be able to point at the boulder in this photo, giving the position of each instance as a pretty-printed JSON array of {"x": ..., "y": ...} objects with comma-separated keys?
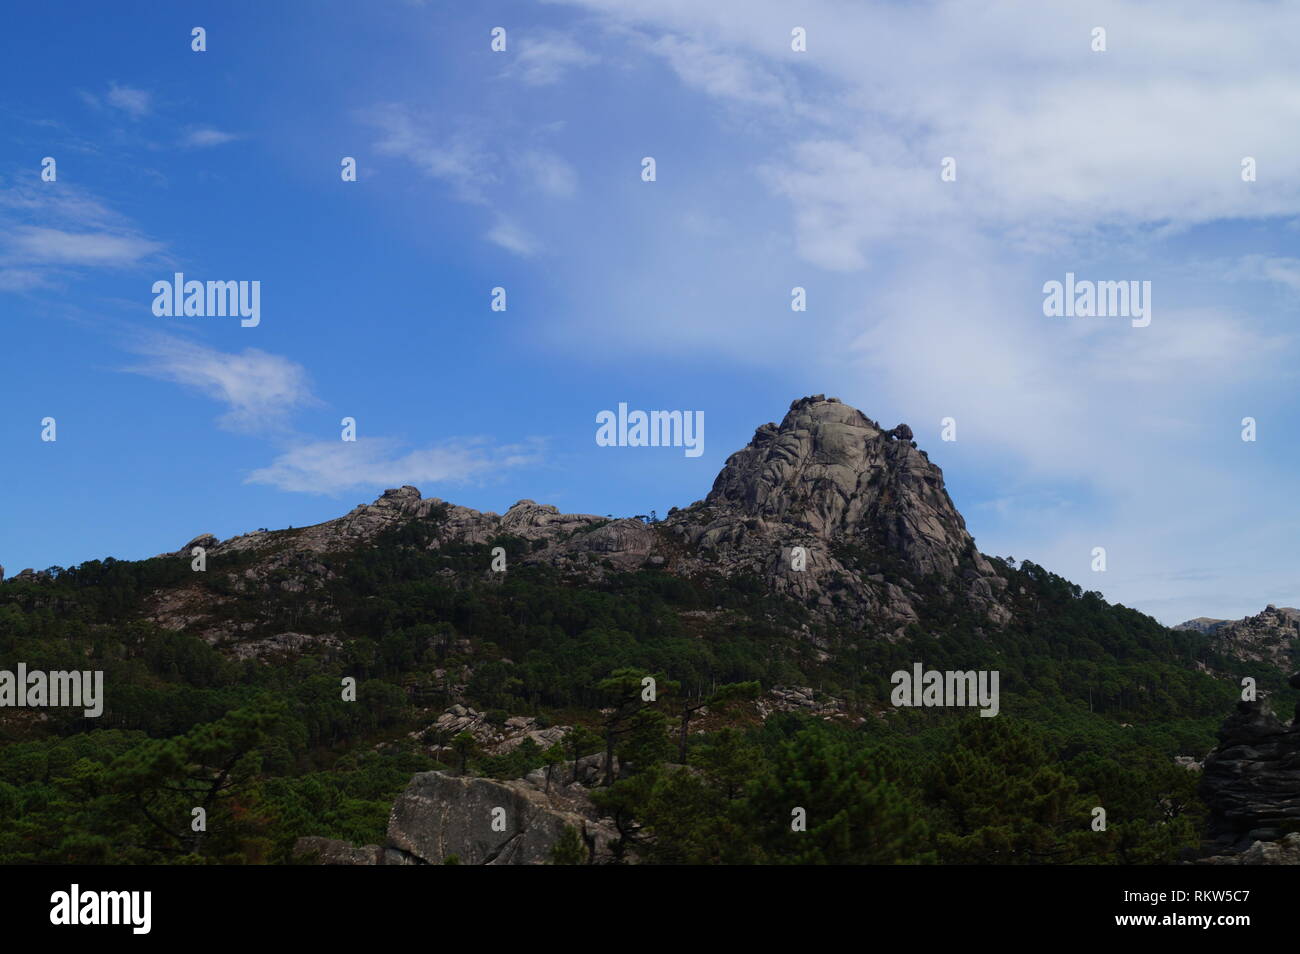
[
  {"x": 1251, "y": 781},
  {"x": 205, "y": 540},
  {"x": 482, "y": 821},
  {"x": 330, "y": 851},
  {"x": 1284, "y": 852}
]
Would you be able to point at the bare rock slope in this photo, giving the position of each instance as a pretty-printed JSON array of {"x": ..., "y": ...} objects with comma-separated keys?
[
  {"x": 1267, "y": 637},
  {"x": 828, "y": 508}
]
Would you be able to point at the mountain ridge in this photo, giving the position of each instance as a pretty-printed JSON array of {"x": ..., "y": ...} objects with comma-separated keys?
[{"x": 866, "y": 507}]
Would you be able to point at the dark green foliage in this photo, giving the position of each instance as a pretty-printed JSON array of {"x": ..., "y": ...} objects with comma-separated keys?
[{"x": 274, "y": 753}]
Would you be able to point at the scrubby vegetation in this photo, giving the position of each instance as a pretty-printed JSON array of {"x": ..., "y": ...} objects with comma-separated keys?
[{"x": 1096, "y": 701}]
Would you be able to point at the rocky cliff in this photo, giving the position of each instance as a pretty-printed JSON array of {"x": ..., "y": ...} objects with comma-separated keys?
[
  {"x": 1251, "y": 781},
  {"x": 445, "y": 819},
  {"x": 828, "y": 508},
  {"x": 868, "y": 508},
  {"x": 1267, "y": 637}
]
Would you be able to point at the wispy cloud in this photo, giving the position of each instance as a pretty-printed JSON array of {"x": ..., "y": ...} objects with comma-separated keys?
[
  {"x": 20, "y": 279},
  {"x": 1283, "y": 271},
  {"x": 205, "y": 136},
  {"x": 722, "y": 73},
  {"x": 458, "y": 158},
  {"x": 42, "y": 246},
  {"x": 512, "y": 238},
  {"x": 552, "y": 175},
  {"x": 544, "y": 56},
  {"x": 46, "y": 231},
  {"x": 476, "y": 173},
  {"x": 331, "y": 467},
  {"x": 260, "y": 390},
  {"x": 135, "y": 103}
]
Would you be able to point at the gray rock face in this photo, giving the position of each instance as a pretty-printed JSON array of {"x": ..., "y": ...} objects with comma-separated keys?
[
  {"x": 801, "y": 699},
  {"x": 1284, "y": 852},
  {"x": 480, "y": 821},
  {"x": 1251, "y": 781},
  {"x": 440, "y": 816},
  {"x": 495, "y": 740},
  {"x": 283, "y": 644},
  {"x": 829, "y": 478},
  {"x": 830, "y": 471},
  {"x": 205, "y": 540},
  {"x": 1202, "y": 624},
  {"x": 331, "y": 851},
  {"x": 867, "y": 508},
  {"x": 1266, "y": 637}
]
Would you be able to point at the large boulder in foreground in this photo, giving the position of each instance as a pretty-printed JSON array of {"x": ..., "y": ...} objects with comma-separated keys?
[
  {"x": 441, "y": 819},
  {"x": 1251, "y": 781},
  {"x": 1284, "y": 852},
  {"x": 442, "y": 816}
]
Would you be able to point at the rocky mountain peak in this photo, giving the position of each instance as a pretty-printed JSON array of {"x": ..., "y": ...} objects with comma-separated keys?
[
  {"x": 1267, "y": 636},
  {"x": 865, "y": 507},
  {"x": 831, "y": 471}
]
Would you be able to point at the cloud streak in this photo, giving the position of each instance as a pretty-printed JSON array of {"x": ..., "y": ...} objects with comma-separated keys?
[
  {"x": 333, "y": 466},
  {"x": 259, "y": 390}
]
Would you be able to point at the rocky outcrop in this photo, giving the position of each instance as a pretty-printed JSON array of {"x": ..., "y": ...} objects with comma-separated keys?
[
  {"x": 205, "y": 540},
  {"x": 868, "y": 509},
  {"x": 284, "y": 644},
  {"x": 1251, "y": 781},
  {"x": 1284, "y": 852},
  {"x": 449, "y": 819},
  {"x": 827, "y": 508},
  {"x": 492, "y": 739},
  {"x": 312, "y": 849},
  {"x": 479, "y": 821},
  {"x": 800, "y": 699},
  {"x": 1267, "y": 637}
]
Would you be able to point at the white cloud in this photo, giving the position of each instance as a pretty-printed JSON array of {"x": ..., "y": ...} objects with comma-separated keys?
[
  {"x": 462, "y": 158},
  {"x": 334, "y": 466},
  {"x": 136, "y": 103},
  {"x": 205, "y": 136},
  {"x": 512, "y": 238},
  {"x": 1281, "y": 270},
  {"x": 722, "y": 73},
  {"x": 20, "y": 279},
  {"x": 457, "y": 159},
  {"x": 259, "y": 390},
  {"x": 1052, "y": 140},
  {"x": 44, "y": 246},
  {"x": 552, "y": 175},
  {"x": 544, "y": 56},
  {"x": 45, "y": 231}
]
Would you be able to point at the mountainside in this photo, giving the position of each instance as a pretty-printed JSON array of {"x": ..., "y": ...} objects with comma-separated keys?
[
  {"x": 316, "y": 677},
  {"x": 1268, "y": 637},
  {"x": 868, "y": 509}
]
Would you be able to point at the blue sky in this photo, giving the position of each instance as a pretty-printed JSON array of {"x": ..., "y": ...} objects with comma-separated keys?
[{"x": 775, "y": 168}]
